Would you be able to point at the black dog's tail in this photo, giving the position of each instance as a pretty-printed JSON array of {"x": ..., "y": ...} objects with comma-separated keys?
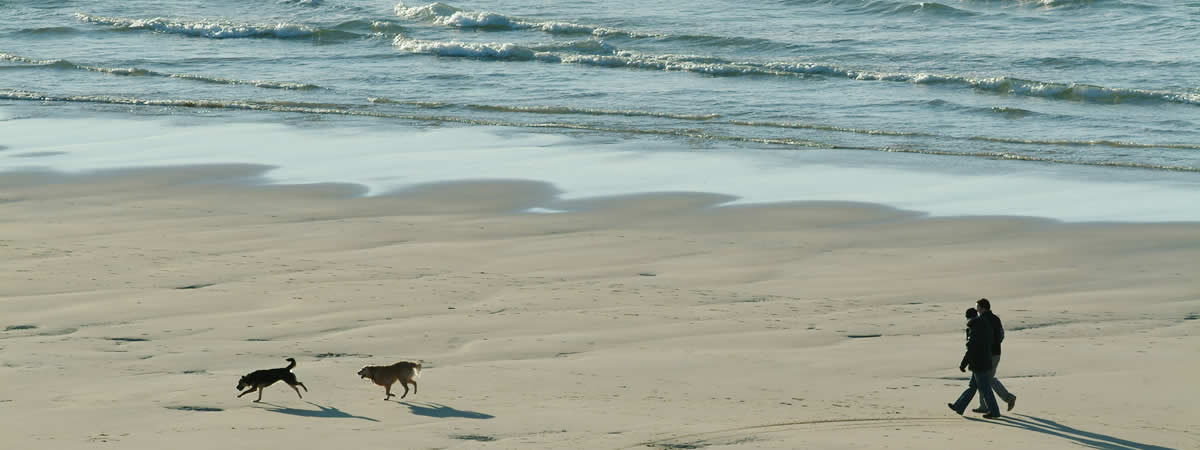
[{"x": 292, "y": 363}]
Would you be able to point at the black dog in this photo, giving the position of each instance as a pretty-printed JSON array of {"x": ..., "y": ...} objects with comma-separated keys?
[{"x": 260, "y": 379}]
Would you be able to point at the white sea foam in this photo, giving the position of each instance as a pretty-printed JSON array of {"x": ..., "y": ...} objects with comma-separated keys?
[
  {"x": 429, "y": 11},
  {"x": 209, "y": 29},
  {"x": 465, "y": 49},
  {"x": 443, "y": 14}
]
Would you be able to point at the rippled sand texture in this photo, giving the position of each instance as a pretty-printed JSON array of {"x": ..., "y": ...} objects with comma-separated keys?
[{"x": 133, "y": 300}]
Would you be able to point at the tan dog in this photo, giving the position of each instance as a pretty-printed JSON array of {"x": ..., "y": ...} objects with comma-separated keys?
[{"x": 404, "y": 371}]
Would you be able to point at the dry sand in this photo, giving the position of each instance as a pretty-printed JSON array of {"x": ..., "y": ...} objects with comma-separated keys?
[{"x": 131, "y": 302}]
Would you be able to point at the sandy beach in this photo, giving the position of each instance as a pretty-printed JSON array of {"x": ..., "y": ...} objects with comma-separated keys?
[
  {"x": 598, "y": 225},
  {"x": 132, "y": 301}
]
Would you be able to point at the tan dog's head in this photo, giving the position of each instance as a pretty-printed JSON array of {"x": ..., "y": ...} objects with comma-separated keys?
[{"x": 367, "y": 372}]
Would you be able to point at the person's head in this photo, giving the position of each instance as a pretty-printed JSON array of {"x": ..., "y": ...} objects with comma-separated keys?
[
  {"x": 972, "y": 313},
  {"x": 983, "y": 305}
]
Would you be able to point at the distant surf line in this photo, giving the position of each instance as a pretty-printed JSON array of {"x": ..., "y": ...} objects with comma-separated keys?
[
  {"x": 346, "y": 110},
  {"x": 714, "y": 118},
  {"x": 134, "y": 71},
  {"x": 600, "y": 54}
]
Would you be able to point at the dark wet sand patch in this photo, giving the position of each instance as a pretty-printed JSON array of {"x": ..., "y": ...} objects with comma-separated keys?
[
  {"x": 340, "y": 355},
  {"x": 474, "y": 437},
  {"x": 677, "y": 446},
  {"x": 58, "y": 332},
  {"x": 194, "y": 408},
  {"x": 195, "y": 286},
  {"x": 37, "y": 154}
]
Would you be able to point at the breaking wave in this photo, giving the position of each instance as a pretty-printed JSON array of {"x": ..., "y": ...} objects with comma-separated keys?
[
  {"x": 933, "y": 8},
  {"x": 133, "y": 71},
  {"x": 221, "y": 29},
  {"x": 603, "y": 55},
  {"x": 443, "y": 14}
]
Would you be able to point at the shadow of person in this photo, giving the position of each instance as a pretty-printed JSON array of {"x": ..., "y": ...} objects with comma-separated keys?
[
  {"x": 321, "y": 411},
  {"x": 430, "y": 409},
  {"x": 1084, "y": 438}
]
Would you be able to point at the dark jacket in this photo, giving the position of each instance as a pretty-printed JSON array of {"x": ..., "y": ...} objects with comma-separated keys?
[
  {"x": 979, "y": 345},
  {"x": 997, "y": 331}
]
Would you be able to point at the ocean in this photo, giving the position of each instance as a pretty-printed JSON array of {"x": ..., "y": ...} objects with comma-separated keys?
[{"x": 767, "y": 100}]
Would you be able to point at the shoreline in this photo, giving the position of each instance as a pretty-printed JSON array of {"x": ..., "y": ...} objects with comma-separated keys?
[
  {"x": 391, "y": 157},
  {"x": 134, "y": 302}
]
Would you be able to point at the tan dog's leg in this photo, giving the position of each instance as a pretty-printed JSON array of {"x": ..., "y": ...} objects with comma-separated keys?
[{"x": 405, "y": 384}]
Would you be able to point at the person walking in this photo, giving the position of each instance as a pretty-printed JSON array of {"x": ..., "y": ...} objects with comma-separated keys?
[
  {"x": 979, "y": 359},
  {"x": 985, "y": 310}
]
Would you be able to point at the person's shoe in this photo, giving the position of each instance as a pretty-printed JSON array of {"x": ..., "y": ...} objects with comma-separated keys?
[
  {"x": 952, "y": 408},
  {"x": 991, "y": 416},
  {"x": 1012, "y": 402},
  {"x": 981, "y": 409}
]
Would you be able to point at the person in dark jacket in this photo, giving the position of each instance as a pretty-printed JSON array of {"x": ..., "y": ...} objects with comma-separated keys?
[
  {"x": 985, "y": 310},
  {"x": 979, "y": 359}
]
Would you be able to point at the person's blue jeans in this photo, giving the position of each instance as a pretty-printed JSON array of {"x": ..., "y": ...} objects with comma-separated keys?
[
  {"x": 997, "y": 387},
  {"x": 982, "y": 382}
]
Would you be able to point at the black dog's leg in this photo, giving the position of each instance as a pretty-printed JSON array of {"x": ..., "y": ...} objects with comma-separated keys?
[
  {"x": 297, "y": 390},
  {"x": 252, "y": 389},
  {"x": 260, "y": 391}
]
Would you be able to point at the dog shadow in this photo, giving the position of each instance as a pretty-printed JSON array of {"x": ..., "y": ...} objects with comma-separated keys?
[
  {"x": 1089, "y": 439},
  {"x": 430, "y": 409},
  {"x": 321, "y": 411}
]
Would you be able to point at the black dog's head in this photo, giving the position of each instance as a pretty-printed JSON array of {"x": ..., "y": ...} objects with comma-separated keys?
[{"x": 243, "y": 383}]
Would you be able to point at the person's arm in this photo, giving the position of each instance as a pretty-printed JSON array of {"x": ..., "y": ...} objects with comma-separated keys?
[
  {"x": 962, "y": 367},
  {"x": 999, "y": 330}
]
